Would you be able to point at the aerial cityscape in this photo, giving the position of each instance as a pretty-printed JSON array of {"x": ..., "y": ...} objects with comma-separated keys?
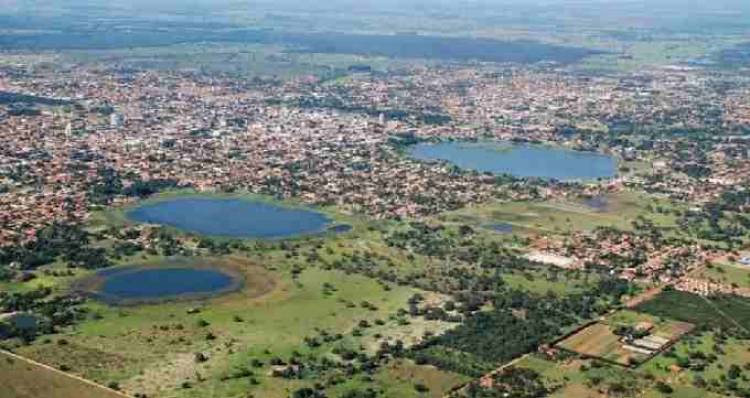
[{"x": 356, "y": 199}]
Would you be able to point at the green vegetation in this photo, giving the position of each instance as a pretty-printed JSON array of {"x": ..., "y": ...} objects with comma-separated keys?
[
  {"x": 569, "y": 216},
  {"x": 304, "y": 307},
  {"x": 726, "y": 312},
  {"x": 711, "y": 361},
  {"x": 517, "y": 324},
  {"x": 726, "y": 273}
]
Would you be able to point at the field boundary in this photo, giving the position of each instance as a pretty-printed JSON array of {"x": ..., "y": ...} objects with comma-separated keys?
[{"x": 68, "y": 375}]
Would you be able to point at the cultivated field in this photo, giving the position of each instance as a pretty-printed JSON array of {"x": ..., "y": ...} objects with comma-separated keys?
[{"x": 600, "y": 340}]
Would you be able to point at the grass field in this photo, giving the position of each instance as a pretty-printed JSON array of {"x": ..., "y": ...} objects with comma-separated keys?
[
  {"x": 23, "y": 379},
  {"x": 541, "y": 281},
  {"x": 562, "y": 216},
  {"x": 399, "y": 378},
  {"x": 727, "y": 273}
]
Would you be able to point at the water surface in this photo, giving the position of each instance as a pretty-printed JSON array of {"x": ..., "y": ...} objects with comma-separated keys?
[
  {"x": 149, "y": 284},
  {"x": 501, "y": 228},
  {"x": 234, "y": 218},
  {"x": 520, "y": 160}
]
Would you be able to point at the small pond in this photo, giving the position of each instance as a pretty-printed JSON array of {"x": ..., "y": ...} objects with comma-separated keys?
[
  {"x": 231, "y": 218},
  {"x": 340, "y": 228},
  {"x": 597, "y": 203},
  {"x": 520, "y": 160},
  {"x": 501, "y": 228}
]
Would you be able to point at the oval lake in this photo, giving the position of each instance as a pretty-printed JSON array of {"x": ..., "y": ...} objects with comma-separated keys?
[
  {"x": 520, "y": 160},
  {"x": 139, "y": 284},
  {"x": 232, "y": 218}
]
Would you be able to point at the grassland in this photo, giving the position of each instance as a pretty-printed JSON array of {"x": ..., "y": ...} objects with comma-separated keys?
[
  {"x": 543, "y": 280},
  {"x": 726, "y": 273},
  {"x": 151, "y": 348},
  {"x": 721, "y": 353},
  {"x": 564, "y": 216},
  {"x": 575, "y": 378},
  {"x": 400, "y": 378},
  {"x": 20, "y": 378}
]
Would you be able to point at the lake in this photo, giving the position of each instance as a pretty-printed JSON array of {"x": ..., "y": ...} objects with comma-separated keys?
[
  {"x": 144, "y": 284},
  {"x": 519, "y": 160},
  {"x": 232, "y": 218}
]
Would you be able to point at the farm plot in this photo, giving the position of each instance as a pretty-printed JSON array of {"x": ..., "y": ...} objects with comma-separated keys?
[{"x": 626, "y": 338}]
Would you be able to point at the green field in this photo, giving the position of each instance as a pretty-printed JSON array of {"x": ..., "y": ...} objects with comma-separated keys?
[
  {"x": 400, "y": 378},
  {"x": 564, "y": 216},
  {"x": 727, "y": 273}
]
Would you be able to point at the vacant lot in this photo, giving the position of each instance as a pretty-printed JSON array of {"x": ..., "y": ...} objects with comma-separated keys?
[
  {"x": 22, "y": 379},
  {"x": 599, "y": 341}
]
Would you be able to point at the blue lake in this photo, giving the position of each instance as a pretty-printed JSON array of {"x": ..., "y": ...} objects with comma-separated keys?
[
  {"x": 520, "y": 160},
  {"x": 233, "y": 218},
  {"x": 148, "y": 284}
]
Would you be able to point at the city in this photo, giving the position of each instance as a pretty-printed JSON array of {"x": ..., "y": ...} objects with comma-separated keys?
[{"x": 313, "y": 215}]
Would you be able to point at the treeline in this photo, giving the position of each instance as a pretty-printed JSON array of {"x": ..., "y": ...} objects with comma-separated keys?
[
  {"x": 44, "y": 312},
  {"x": 56, "y": 241},
  {"x": 721, "y": 220},
  {"x": 110, "y": 184}
]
